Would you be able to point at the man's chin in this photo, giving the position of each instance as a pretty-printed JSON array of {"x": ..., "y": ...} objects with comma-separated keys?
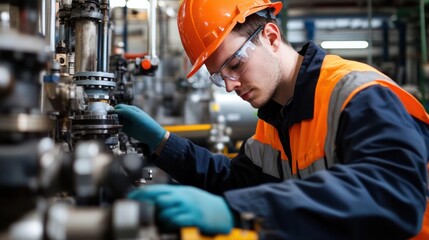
[{"x": 255, "y": 104}]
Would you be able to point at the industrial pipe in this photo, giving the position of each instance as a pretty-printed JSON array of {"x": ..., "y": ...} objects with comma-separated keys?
[
  {"x": 370, "y": 47},
  {"x": 422, "y": 82},
  {"x": 86, "y": 46},
  {"x": 152, "y": 32},
  {"x": 50, "y": 25},
  {"x": 104, "y": 41}
]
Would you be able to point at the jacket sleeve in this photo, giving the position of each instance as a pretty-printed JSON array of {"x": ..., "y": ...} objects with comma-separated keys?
[
  {"x": 193, "y": 165},
  {"x": 377, "y": 193}
]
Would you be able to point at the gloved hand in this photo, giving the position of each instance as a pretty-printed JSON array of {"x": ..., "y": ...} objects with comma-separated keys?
[
  {"x": 139, "y": 125},
  {"x": 184, "y": 206}
]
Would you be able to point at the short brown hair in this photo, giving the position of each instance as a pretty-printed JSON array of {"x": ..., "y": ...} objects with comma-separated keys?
[{"x": 252, "y": 23}]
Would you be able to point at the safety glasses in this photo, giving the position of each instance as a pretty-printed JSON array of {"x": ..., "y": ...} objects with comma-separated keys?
[{"x": 236, "y": 65}]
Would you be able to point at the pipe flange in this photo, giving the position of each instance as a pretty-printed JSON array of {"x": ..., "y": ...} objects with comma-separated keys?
[
  {"x": 96, "y": 121},
  {"x": 64, "y": 15},
  {"x": 94, "y": 16},
  {"x": 95, "y": 80},
  {"x": 86, "y": 10},
  {"x": 96, "y": 96},
  {"x": 102, "y": 75},
  {"x": 96, "y": 84},
  {"x": 89, "y": 13},
  {"x": 95, "y": 124}
]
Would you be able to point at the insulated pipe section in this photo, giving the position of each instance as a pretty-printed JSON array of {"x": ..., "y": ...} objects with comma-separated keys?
[
  {"x": 86, "y": 42},
  {"x": 86, "y": 15}
]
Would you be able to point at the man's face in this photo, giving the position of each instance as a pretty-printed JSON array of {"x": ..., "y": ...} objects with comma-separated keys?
[{"x": 253, "y": 76}]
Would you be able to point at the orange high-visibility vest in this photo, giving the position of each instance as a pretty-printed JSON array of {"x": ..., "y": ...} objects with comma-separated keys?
[{"x": 312, "y": 142}]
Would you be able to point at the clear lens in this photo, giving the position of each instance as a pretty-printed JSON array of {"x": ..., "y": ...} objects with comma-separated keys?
[
  {"x": 235, "y": 66},
  {"x": 217, "y": 80},
  {"x": 238, "y": 64}
]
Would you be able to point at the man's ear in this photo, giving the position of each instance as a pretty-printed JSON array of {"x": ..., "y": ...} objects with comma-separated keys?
[{"x": 272, "y": 34}]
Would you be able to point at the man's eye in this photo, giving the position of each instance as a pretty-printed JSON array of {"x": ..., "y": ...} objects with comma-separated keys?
[{"x": 236, "y": 65}]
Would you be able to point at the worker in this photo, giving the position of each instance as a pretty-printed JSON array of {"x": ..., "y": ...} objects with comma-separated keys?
[{"x": 340, "y": 151}]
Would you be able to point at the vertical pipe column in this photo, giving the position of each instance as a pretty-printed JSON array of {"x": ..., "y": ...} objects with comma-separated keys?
[
  {"x": 152, "y": 32},
  {"x": 386, "y": 53},
  {"x": 42, "y": 16},
  {"x": 86, "y": 15},
  {"x": 310, "y": 26},
  {"x": 423, "y": 32},
  {"x": 125, "y": 32},
  {"x": 86, "y": 46},
  {"x": 104, "y": 41},
  {"x": 422, "y": 79},
  {"x": 370, "y": 47},
  {"x": 50, "y": 25},
  {"x": 402, "y": 29}
]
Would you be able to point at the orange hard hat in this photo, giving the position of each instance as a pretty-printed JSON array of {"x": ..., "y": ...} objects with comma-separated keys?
[{"x": 204, "y": 24}]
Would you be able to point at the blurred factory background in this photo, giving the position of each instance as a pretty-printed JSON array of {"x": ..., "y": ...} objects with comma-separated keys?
[{"x": 65, "y": 165}]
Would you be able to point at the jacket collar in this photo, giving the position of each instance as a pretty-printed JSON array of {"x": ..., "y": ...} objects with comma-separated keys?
[{"x": 301, "y": 106}]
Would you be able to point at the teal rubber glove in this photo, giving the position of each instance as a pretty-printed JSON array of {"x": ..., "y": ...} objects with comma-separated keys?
[
  {"x": 185, "y": 206},
  {"x": 139, "y": 125}
]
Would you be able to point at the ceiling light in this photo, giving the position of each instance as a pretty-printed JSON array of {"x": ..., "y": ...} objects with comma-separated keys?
[
  {"x": 344, "y": 44},
  {"x": 117, "y": 3},
  {"x": 138, "y": 4}
]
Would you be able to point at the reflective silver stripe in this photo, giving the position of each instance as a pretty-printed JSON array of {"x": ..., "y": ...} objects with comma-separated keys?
[
  {"x": 314, "y": 167},
  {"x": 342, "y": 90},
  {"x": 287, "y": 172},
  {"x": 265, "y": 157}
]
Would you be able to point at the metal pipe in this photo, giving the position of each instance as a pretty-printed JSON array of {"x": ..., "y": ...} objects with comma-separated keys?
[
  {"x": 423, "y": 32},
  {"x": 42, "y": 16},
  {"x": 63, "y": 23},
  {"x": 370, "y": 47},
  {"x": 402, "y": 51},
  {"x": 423, "y": 50},
  {"x": 86, "y": 42},
  {"x": 163, "y": 27},
  {"x": 99, "y": 47},
  {"x": 50, "y": 25},
  {"x": 125, "y": 32},
  {"x": 152, "y": 31},
  {"x": 310, "y": 26},
  {"x": 386, "y": 53},
  {"x": 104, "y": 46}
]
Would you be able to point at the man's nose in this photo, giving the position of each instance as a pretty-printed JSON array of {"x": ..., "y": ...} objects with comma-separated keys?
[{"x": 231, "y": 85}]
